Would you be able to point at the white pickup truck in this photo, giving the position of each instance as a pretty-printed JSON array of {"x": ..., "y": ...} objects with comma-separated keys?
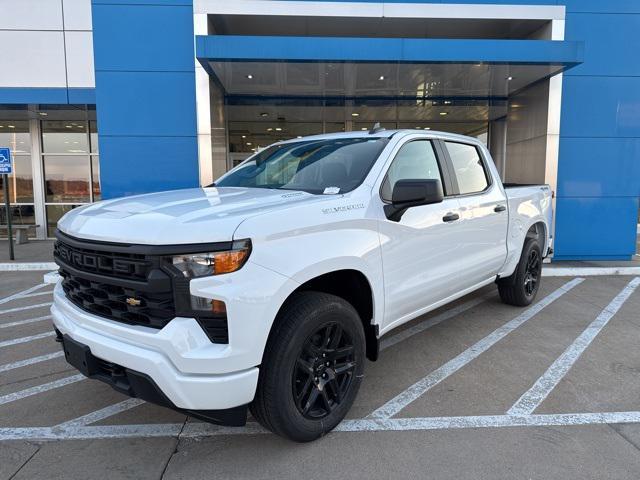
[{"x": 268, "y": 289}]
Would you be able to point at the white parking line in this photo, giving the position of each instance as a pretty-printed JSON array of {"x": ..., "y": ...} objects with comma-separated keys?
[
  {"x": 532, "y": 398},
  {"x": 103, "y": 413},
  {"x": 22, "y": 293},
  {"x": 431, "y": 322},
  {"x": 24, "y": 322},
  {"x": 17, "y": 341},
  {"x": 195, "y": 430},
  {"x": 19, "y": 309},
  {"x": 12, "y": 397},
  {"x": 30, "y": 361},
  {"x": 37, "y": 294},
  {"x": 415, "y": 391}
]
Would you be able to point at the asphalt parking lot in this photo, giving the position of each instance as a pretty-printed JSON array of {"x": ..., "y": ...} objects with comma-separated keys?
[{"x": 477, "y": 389}]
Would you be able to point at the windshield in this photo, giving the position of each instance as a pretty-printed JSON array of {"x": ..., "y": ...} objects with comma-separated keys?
[{"x": 316, "y": 166}]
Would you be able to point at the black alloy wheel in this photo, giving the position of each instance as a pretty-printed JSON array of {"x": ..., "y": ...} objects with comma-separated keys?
[
  {"x": 532, "y": 272},
  {"x": 324, "y": 371}
]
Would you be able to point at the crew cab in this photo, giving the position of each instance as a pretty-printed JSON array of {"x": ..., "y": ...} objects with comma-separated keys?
[{"x": 268, "y": 289}]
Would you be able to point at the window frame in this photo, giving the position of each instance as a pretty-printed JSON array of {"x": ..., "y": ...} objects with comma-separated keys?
[{"x": 454, "y": 179}]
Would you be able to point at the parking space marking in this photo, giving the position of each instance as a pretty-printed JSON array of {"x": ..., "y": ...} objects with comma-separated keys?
[
  {"x": 30, "y": 338},
  {"x": 30, "y": 361},
  {"x": 37, "y": 294},
  {"x": 25, "y": 322},
  {"x": 415, "y": 391},
  {"x": 12, "y": 397},
  {"x": 19, "y": 309},
  {"x": 22, "y": 293},
  {"x": 532, "y": 398},
  {"x": 431, "y": 322},
  {"x": 199, "y": 430},
  {"x": 103, "y": 413}
]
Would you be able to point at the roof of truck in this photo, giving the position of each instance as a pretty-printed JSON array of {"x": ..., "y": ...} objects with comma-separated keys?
[{"x": 383, "y": 134}]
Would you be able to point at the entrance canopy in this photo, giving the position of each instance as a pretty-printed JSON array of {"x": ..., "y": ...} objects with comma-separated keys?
[{"x": 381, "y": 67}]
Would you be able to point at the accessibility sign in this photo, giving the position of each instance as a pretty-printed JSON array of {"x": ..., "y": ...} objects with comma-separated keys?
[{"x": 5, "y": 161}]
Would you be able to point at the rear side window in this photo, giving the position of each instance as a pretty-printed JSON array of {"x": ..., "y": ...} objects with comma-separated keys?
[
  {"x": 468, "y": 167},
  {"x": 415, "y": 160}
]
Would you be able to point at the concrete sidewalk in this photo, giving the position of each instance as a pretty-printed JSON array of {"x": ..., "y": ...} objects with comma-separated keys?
[{"x": 33, "y": 251}]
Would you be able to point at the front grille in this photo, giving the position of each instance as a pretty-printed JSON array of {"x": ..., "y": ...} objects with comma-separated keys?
[
  {"x": 124, "y": 284},
  {"x": 106, "y": 300}
]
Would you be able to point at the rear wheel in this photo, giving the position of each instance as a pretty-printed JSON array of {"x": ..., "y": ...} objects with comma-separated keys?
[
  {"x": 312, "y": 367},
  {"x": 522, "y": 286}
]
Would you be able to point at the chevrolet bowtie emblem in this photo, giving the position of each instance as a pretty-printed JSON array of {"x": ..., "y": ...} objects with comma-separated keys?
[{"x": 134, "y": 302}]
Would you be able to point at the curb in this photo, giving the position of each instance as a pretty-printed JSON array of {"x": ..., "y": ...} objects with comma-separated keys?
[{"x": 28, "y": 267}]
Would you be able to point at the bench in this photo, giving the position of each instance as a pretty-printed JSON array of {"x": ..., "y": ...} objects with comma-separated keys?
[{"x": 20, "y": 231}]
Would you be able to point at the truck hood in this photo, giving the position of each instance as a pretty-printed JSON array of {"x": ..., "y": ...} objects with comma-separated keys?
[{"x": 197, "y": 215}]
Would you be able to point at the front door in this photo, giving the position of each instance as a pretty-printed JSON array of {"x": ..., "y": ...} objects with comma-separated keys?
[{"x": 419, "y": 252}]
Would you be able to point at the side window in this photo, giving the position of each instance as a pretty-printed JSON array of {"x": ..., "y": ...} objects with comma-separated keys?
[
  {"x": 416, "y": 160},
  {"x": 468, "y": 167}
]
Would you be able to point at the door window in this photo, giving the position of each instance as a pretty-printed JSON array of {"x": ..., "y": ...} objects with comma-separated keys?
[
  {"x": 416, "y": 160},
  {"x": 468, "y": 167}
]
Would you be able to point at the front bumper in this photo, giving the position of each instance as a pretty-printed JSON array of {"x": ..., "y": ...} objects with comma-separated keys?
[{"x": 178, "y": 358}]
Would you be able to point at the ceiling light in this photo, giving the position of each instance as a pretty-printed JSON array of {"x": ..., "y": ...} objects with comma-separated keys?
[
  {"x": 249, "y": 76},
  {"x": 417, "y": 128},
  {"x": 268, "y": 130},
  {"x": 381, "y": 77},
  {"x": 11, "y": 126},
  {"x": 427, "y": 128},
  {"x": 447, "y": 102},
  {"x": 44, "y": 114},
  {"x": 299, "y": 136},
  {"x": 509, "y": 79},
  {"x": 363, "y": 128},
  {"x": 68, "y": 126},
  {"x": 354, "y": 114},
  {"x": 249, "y": 144},
  {"x": 444, "y": 113},
  {"x": 264, "y": 114},
  {"x": 278, "y": 129}
]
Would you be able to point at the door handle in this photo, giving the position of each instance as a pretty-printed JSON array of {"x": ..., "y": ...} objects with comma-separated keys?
[
  {"x": 499, "y": 208},
  {"x": 450, "y": 217}
]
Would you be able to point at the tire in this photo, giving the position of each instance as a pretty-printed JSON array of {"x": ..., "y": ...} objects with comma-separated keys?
[
  {"x": 293, "y": 366},
  {"x": 521, "y": 288}
]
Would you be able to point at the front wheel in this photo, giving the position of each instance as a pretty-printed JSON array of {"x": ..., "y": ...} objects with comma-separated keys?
[
  {"x": 522, "y": 286},
  {"x": 312, "y": 367}
]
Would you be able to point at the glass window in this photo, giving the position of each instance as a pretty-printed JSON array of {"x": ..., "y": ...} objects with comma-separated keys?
[
  {"x": 468, "y": 167},
  {"x": 95, "y": 177},
  {"x": 20, "y": 182},
  {"x": 15, "y": 135},
  {"x": 64, "y": 136},
  {"x": 415, "y": 161},
  {"x": 55, "y": 213},
  {"x": 93, "y": 136},
  {"x": 20, "y": 215},
  {"x": 310, "y": 166},
  {"x": 66, "y": 178}
]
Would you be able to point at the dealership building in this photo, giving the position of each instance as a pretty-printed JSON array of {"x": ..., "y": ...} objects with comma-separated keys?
[{"x": 106, "y": 98}]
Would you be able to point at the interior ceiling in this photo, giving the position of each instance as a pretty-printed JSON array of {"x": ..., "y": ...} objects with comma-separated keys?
[
  {"x": 374, "y": 27},
  {"x": 326, "y": 79}
]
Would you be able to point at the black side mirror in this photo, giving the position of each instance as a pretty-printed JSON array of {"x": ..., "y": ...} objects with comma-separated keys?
[{"x": 412, "y": 193}]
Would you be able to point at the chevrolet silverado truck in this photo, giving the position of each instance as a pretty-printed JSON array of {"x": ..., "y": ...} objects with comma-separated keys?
[{"x": 267, "y": 290}]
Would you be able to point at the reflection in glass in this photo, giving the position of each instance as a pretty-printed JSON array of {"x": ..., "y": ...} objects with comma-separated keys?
[
  {"x": 55, "y": 213},
  {"x": 15, "y": 135},
  {"x": 64, "y": 136},
  {"x": 66, "y": 178},
  {"x": 93, "y": 131},
  {"x": 95, "y": 177},
  {"x": 20, "y": 215},
  {"x": 20, "y": 182}
]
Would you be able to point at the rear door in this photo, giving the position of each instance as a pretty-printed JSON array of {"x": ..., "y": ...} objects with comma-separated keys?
[{"x": 484, "y": 217}]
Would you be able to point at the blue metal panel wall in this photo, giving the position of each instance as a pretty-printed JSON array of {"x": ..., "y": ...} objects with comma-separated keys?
[
  {"x": 145, "y": 95},
  {"x": 599, "y": 164}
]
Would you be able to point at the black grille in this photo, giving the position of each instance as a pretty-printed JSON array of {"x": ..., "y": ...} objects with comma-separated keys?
[
  {"x": 118, "y": 303},
  {"x": 129, "y": 287}
]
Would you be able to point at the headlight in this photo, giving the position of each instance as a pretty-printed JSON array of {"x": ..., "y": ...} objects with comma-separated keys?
[{"x": 195, "y": 265}]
